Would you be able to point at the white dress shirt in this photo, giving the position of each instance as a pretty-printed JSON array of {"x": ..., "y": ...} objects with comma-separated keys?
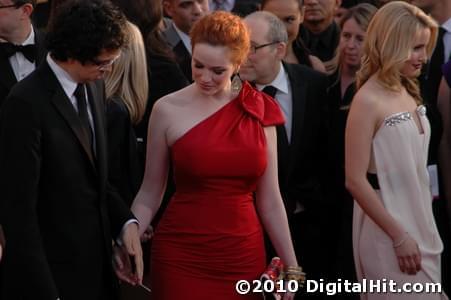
[
  {"x": 69, "y": 86},
  {"x": 226, "y": 5},
  {"x": 186, "y": 40},
  {"x": 21, "y": 66}
]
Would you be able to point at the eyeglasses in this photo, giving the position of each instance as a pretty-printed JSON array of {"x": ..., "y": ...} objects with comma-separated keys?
[
  {"x": 15, "y": 5},
  {"x": 103, "y": 64},
  {"x": 255, "y": 48}
]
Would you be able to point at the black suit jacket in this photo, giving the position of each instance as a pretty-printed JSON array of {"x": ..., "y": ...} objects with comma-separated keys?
[
  {"x": 58, "y": 212},
  {"x": 301, "y": 163},
  {"x": 183, "y": 57},
  {"x": 123, "y": 161},
  {"x": 7, "y": 77}
]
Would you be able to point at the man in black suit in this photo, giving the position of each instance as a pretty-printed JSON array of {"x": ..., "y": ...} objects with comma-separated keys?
[
  {"x": 319, "y": 31},
  {"x": 183, "y": 13},
  {"x": 22, "y": 47},
  {"x": 301, "y": 94},
  {"x": 59, "y": 214},
  {"x": 15, "y": 30}
]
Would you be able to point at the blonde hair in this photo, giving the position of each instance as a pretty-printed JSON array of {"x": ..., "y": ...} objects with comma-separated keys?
[
  {"x": 128, "y": 77},
  {"x": 388, "y": 46}
]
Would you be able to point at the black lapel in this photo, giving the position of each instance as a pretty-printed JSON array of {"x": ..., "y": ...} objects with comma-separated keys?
[
  {"x": 184, "y": 60},
  {"x": 7, "y": 77},
  {"x": 65, "y": 108},
  {"x": 298, "y": 92}
]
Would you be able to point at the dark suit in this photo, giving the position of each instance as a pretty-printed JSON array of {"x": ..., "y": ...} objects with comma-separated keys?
[
  {"x": 125, "y": 170},
  {"x": 59, "y": 214},
  {"x": 7, "y": 77},
  {"x": 300, "y": 161},
  {"x": 182, "y": 54},
  {"x": 301, "y": 166}
]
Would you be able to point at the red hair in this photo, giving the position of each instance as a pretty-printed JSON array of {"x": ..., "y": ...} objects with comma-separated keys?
[{"x": 223, "y": 29}]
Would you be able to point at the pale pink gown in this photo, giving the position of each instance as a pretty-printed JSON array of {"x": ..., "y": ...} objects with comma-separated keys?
[{"x": 400, "y": 154}]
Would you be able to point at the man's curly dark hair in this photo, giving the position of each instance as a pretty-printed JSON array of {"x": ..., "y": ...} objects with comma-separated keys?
[{"x": 81, "y": 29}]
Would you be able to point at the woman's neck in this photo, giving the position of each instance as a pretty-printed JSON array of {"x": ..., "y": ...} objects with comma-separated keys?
[{"x": 290, "y": 57}]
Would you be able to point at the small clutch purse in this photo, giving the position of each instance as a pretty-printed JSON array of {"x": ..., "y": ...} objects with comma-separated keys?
[
  {"x": 273, "y": 272},
  {"x": 282, "y": 277}
]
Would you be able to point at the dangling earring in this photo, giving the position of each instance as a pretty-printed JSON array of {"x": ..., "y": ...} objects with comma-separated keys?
[{"x": 236, "y": 83}]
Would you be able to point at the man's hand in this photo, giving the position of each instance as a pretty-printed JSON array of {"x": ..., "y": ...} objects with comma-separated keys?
[{"x": 128, "y": 262}]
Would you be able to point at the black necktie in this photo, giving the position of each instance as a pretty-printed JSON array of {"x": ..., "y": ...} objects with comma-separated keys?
[
  {"x": 282, "y": 136},
  {"x": 8, "y": 50},
  {"x": 83, "y": 111},
  {"x": 270, "y": 90}
]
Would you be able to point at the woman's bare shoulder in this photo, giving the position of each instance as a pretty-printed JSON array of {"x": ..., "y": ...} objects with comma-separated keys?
[
  {"x": 172, "y": 102},
  {"x": 370, "y": 102}
]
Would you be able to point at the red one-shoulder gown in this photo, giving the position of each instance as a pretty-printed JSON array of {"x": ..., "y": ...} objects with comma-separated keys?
[{"x": 210, "y": 235}]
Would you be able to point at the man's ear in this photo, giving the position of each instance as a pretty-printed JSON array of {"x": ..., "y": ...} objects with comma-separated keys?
[
  {"x": 167, "y": 7},
  {"x": 27, "y": 10},
  {"x": 281, "y": 49}
]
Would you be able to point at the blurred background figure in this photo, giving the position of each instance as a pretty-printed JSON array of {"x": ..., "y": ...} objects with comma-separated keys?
[
  {"x": 347, "y": 61},
  {"x": 319, "y": 31},
  {"x": 439, "y": 153},
  {"x": 161, "y": 60},
  {"x": 226, "y": 5},
  {"x": 347, "y": 4},
  {"x": 21, "y": 45},
  {"x": 126, "y": 92},
  {"x": 290, "y": 12},
  {"x": 183, "y": 15}
]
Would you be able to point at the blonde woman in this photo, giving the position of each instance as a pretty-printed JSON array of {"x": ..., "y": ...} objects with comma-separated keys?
[
  {"x": 387, "y": 137},
  {"x": 126, "y": 91}
]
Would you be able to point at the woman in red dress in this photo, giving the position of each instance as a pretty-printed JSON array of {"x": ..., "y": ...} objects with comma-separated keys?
[{"x": 221, "y": 140}]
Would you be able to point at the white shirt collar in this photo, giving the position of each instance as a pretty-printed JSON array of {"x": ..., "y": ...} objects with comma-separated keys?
[
  {"x": 184, "y": 37},
  {"x": 280, "y": 82},
  {"x": 30, "y": 39},
  {"x": 66, "y": 81},
  {"x": 447, "y": 25},
  {"x": 227, "y": 5}
]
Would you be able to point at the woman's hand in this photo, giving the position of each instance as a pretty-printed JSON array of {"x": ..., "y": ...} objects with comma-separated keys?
[{"x": 408, "y": 254}]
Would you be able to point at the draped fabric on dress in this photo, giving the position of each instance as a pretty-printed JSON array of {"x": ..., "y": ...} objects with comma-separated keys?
[
  {"x": 400, "y": 149},
  {"x": 210, "y": 235}
]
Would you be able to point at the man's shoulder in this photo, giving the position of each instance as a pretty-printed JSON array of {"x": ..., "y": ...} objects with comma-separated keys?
[
  {"x": 32, "y": 86},
  {"x": 302, "y": 72},
  {"x": 170, "y": 34}
]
